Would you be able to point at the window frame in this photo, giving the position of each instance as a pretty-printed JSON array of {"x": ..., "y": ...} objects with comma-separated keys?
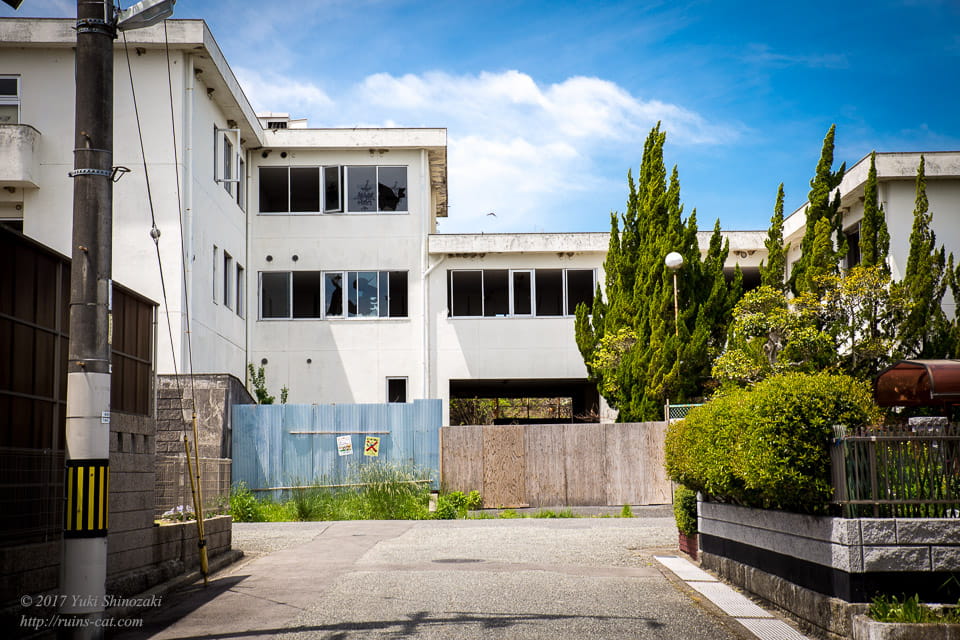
[
  {"x": 13, "y": 100},
  {"x": 323, "y": 207},
  {"x": 222, "y": 174},
  {"x": 406, "y": 389},
  {"x": 532, "y": 272},
  {"x": 345, "y": 190},
  {"x": 383, "y": 311},
  {"x": 241, "y": 297},
  {"x": 228, "y": 283}
]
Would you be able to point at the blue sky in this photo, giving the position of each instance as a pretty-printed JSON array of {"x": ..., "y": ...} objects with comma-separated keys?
[{"x": 547, "y": 104}]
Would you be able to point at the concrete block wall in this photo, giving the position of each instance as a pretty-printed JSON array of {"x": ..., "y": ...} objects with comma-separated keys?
[
  {"x": 140, "y": 554},
  {"x": 854, "y": 545},
  {"x": 215, "y": 395}
]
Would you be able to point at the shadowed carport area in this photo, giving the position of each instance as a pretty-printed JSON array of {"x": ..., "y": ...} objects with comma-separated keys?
[{"x": 582, "y": 394}]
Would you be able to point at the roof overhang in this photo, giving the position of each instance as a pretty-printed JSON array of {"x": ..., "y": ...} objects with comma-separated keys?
[{"x": 918, "y": 383}]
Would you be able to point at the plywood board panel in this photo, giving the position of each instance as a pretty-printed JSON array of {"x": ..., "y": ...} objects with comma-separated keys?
[
  {"x": 546, "y": 476},
  {"x": 585, "y": 464},
  {"x": 656, "y": 486},
  {"x": 624, "y": 454},
  {"x": 462, "y": 458},
  {"x": 503, "y": 466}
]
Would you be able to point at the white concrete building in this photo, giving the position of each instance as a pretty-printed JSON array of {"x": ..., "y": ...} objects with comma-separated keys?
[
  {"x": 314, "y": 251},
  {"x": 896, "y": 191},
  {"x": 196, "y": 176}
]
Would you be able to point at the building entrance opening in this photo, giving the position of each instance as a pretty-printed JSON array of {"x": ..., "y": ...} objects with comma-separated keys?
[{"x": 523, "y": 401}]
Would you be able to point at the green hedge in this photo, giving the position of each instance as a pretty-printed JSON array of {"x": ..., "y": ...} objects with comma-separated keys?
[
  {"x": 685, "y": 510},
  {"x": 768, "y": 446}
]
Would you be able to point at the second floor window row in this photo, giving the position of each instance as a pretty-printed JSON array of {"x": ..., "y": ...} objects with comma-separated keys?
[{"x": 333, "y": 189}]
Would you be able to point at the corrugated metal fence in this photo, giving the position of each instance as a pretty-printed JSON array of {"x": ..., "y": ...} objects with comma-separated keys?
[{"x": 283, "y": 445}]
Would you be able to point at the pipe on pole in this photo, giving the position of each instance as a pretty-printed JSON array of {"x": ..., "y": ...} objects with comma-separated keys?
[{"x": 84, "y": 566}]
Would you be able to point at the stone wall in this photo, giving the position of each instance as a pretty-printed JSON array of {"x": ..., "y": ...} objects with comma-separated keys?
[
  {"x": 215, "y": 395},
  {"x": 816, "y": 567}
]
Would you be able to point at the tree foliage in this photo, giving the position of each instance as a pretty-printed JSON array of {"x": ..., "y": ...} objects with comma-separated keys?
[
  {"x": 874, "y": 236},
  {"x": 925, "y": 331},
  {"x": 819, "y": 254},
  {"x": 634, "y": 350},
  {"x": 773, "y": 271}
]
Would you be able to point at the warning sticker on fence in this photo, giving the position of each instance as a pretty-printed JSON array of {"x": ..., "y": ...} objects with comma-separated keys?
[
  {"x": 345, "y": 445},
  {"x": 371, "y": 447}
]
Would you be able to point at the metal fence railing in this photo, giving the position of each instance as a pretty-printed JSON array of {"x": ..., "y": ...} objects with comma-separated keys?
[
  {"x": 897, "y": 472},
  {"x": 31, "y": 495},
  {"x": 173, "y": 484},
  {"x": 676, "y": 412}
]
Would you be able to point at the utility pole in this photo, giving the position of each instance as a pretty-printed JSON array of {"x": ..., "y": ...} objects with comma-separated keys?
[{"x": 84, "y": 566}]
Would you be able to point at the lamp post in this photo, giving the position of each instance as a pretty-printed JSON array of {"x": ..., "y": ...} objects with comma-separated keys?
[{"x": 674, "y": 261}]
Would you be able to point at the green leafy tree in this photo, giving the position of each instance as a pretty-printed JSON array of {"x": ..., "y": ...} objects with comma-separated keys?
[
  {"x": 953, "y": 271},
  {"x": 818, "y": 253},
  {"x": 861, "y": 309},
  {"x": 874, "y": 236},
  {"x": 768, "y": 336},
  {"x": 633, "y": 347},
  {"x": 258, "y": 380},
  {"x": 773, "y": 271},
  {"x": 925, "y": 331}
]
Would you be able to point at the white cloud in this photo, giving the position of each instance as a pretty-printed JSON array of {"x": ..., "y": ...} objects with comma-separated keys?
[
  {"x": 271, "y": 92},
  {"x": 517, "y": 148}
]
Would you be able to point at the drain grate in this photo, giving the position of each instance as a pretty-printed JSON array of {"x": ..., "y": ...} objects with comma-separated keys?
[
  {"x": 731, "y": 602},
  {"x": 771, "y": 629}
]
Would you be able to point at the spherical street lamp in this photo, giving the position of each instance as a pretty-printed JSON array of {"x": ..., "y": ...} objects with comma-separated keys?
[{"x": 674, "y": 261}]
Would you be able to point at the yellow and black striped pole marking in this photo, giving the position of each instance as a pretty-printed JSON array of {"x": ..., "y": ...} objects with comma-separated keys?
[{"x": 88, "y": 496}]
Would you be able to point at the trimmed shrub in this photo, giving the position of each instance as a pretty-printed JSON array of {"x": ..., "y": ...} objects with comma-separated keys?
[
  {"x": 768, "y": 446},
  {"x": 685, "y": 510}
]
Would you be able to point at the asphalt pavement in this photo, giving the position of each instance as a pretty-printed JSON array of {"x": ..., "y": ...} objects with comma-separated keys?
[{"x": 463, "y": 579}]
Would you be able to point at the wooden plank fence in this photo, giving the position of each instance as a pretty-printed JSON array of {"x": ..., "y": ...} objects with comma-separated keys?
[{"x": 557, "y": 465}]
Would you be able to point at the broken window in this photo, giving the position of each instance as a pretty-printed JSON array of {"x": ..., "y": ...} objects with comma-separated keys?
[
  {"x": 275, "y": 295},
  {"x": 332, "y": 198},
  {"x": 307, "y": 294},
  {"x": 305, "y": 189},
  {"x": 549, "y": 291},
  {"x": 371, "y": 189},
  {"x": 333, "y": 294},
  {"x": 392, "y": 188},
  {"x": 496, "y": 292},
  {"x": 579, "y": 289},
  {"x": 274, "y": 190},
  {"x": 361, "y": 189},
  {"x": 362, "y": 294},
  {"x": 319, "y": 294}
]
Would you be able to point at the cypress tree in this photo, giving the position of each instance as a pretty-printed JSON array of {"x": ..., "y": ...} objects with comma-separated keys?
[
  {"x": 925, "y": 331},
  {"x": 634, "y": 350},
  {"x": 813, "y": 251},
  {"x": 773, "y": 272},
  {"x": 874, "y": 236}
]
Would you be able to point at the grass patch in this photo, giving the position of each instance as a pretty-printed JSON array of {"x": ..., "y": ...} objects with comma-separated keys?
[
  {"x": 891, "y": 609},
  {"x": 372, "y": 491}
]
